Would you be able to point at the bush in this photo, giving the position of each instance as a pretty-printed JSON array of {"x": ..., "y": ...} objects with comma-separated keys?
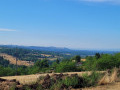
[
  {"x": 71, "y": 81},
  {"x": 39, "y": 87},
  {"x": 57, "y": 85},
  {"x": 66, "y": 67},
  {"x": 13, "y": 87},
  {"x": 91, "y": 80},
  {"x": 42, "y": 64},
  {"x": 6, "y": 71},
  {"x": 104, "y": 62}
]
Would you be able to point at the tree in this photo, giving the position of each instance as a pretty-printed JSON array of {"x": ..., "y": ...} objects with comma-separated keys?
[
  {"x": 42, "y": 64},
  {"x": 67, "y": 66},
  {"x": 105, "y": 61},
  {"x": 77, "y": 58},
  {"x": 57, "y": 61},
  {"x": 97, "y": 55}
]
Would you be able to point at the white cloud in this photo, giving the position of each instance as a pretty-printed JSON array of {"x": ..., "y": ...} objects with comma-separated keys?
[{"x": 6, "y": 30}]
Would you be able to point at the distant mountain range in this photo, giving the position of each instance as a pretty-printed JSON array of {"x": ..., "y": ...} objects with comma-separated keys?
[{"x": 62, "y": 50}]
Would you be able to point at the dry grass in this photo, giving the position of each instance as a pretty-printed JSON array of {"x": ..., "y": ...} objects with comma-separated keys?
[
  {"x": 13, "y": 60},
  {"x": 51, "y": 59},
  {"x": 109, "y": 78},
  {"x": 108, "y": 82},
  {"x": 113, "y": 86},
  {"x": 28, "y": 79},
  {"x": 46, "y": 55},
  {"x": 83, "y": 60}
]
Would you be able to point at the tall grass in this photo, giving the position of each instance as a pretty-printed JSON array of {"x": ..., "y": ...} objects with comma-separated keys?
[
  {"x": 109, "y": 77},
  {"x": 92, "y": 79}
]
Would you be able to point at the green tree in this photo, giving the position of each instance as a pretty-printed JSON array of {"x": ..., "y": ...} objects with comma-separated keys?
[
  {"x": 77, "y": 58},
  {"x": 66, "y": 67},
  {"x": 97, "y": 55},
  {"x": 42, "y": 63},
  {"x": 106, "y": 61},
  {"x": 57, "y": 61}
]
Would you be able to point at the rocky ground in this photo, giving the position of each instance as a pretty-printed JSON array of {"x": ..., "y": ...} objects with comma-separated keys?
[{"x": 9, "y": 84}]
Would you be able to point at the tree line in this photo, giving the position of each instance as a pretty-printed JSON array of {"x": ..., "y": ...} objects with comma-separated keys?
[{"x": 96, "y": 62}]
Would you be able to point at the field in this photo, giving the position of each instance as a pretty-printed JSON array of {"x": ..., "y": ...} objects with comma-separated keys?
[
  {"x": 12, "y": 60},
  {"x": 28, "y": 79},
  {"x": 83, "y": 60},
  {"x": 107, "y": 82}
]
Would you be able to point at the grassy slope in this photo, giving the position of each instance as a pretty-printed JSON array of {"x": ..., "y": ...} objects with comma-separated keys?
[
  {"x": 13, "y": 60},
  {"x": 28, "y": 79}
]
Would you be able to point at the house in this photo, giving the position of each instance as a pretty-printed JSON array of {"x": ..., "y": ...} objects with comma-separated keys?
[{"x": 79, "y": 64}]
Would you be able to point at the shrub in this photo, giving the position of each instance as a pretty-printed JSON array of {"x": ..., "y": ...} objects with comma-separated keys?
[
  {"x": 91, "y": 80},
  {"x": 57, "y": 85},
  {"x": 26, "y": 88},
  {"x": 66, "y": 67},
  {"x": 71, "y": 81},
  {"x": 105, "y": 61},
  {"x": 13, "y": 87},
  {"x": 39, "y": 87}
]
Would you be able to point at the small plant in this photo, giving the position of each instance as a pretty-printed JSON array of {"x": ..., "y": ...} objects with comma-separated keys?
[
  {"x": 39, "y": 87},
  {"x": 71, "y": 81},
  {"x": 40, "y": 78},
  {"x": 13, "y": 87},
  {"x": 27, "y": 88},
  {"x": 57, "y": 85}
]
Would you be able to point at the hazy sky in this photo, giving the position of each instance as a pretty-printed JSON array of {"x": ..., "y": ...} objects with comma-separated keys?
[{"x": 83, "y": 24}]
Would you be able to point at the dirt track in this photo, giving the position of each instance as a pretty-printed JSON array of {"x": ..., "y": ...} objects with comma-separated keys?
[{"x": 112, "y": 86}]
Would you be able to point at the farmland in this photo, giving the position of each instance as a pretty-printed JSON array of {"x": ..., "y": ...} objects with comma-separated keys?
[{"x": 12, "y": 60}]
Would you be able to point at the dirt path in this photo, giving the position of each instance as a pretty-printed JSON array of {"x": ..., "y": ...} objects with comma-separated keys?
[
  {"x": 112, "y": 86},
  {"x": 13, "y": 60}
]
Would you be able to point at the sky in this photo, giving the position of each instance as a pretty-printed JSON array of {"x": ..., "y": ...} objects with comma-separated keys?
[{"x": 78, "y": 24}]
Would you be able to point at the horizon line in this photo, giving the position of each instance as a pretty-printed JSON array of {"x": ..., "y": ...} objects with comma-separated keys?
[{"x": 100, "y": 49}]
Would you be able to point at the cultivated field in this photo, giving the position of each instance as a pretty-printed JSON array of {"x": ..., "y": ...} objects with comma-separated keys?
[{"x": 13, "y": 60}]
